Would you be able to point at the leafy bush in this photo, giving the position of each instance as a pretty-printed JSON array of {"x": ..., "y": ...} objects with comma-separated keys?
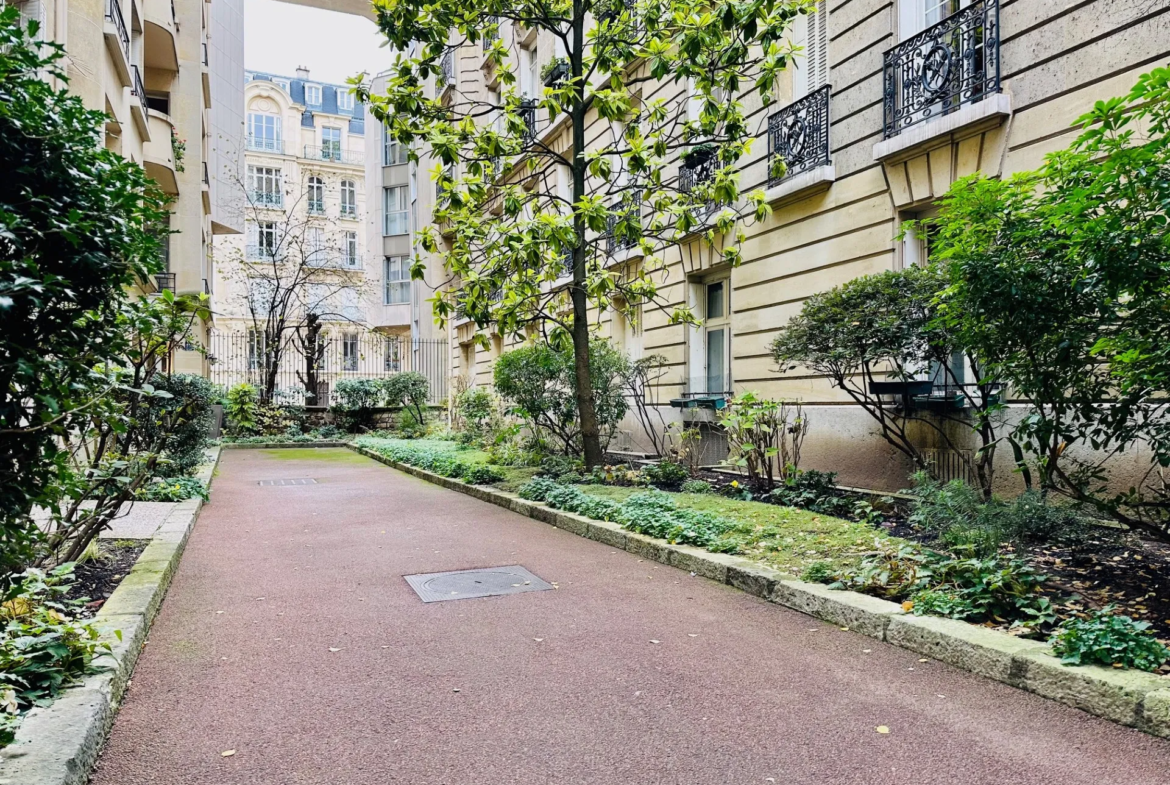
[
  {"x": 444, "y": 461},
  {"x": 241, "y": 409},
  {"x": 1107, "y": 639},
  {"x": 561, "y": 467},
  {"x": 764, "y": 435},
  {"x": 43, "y": 648},
  {"x": 410, "y": 391},
  {"x": 696, "y": 486},
  {"x": 474, "y": 408},
  {"x": 483, "y": 475},
  {"x": 176, "y": 489},
  {"x": 356, "y": 401},
  {"x": 537, "y": 490},
  {"x": 185, "y": 420},
  {"x": 815, "y": 491},
  {"x": 666, "y": 473}
]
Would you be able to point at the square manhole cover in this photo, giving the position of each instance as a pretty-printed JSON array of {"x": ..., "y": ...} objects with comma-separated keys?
[
  {"x": 287, "y": 482},
  {"x": 465, "y": 584}
]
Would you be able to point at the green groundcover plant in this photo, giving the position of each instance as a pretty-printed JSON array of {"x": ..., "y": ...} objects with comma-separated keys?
[
  {"x": 444, "y": 461},
  {"x": 174, "y": 489},
  {"x": 1108, "y": 639}
]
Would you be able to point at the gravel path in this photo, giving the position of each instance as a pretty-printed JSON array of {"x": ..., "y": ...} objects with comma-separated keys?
[{"x": 290, "y": 637}]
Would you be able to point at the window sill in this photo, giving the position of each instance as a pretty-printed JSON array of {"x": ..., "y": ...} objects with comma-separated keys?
[
  {"x": 970, "y": 118},
  {"x": 802, "y": 184}
]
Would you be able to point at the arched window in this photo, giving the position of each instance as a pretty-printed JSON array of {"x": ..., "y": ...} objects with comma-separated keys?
[
  {"x": 316, "y": 195},
  {"x": 348, "y": 198}
]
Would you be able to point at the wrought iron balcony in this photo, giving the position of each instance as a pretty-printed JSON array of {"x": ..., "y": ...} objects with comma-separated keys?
[
  {"x": 333, "y": 153},
  {"x": 259, "y": 143},
  {"x": 335, "y": 261},
  {"x": 138, "y": 89},
  {"x": 697, "y": 167},
  {"x": 632, "y": 204},
  {"x": 267, "y": 200},
  {"x": 164, "y": 282},
  {"x": 491, "y": 31},
  {"x": 114, "y": 16},
  {"x": 946, "y": 66},
  {"x": 799, "y": 135},
  {"x": 528, "y": 115},
  {"x": 446, "y": 70}
]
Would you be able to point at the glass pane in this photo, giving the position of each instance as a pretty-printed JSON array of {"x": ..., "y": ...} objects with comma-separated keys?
[
  {"x": 716, "y": 360},
  {"x": 715, "y": 308}
]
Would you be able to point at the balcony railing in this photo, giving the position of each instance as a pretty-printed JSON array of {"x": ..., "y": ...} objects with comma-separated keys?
[
  {"x": 799, "y": 135},
  {"x": 528, "y": 115},
  {"x": 633, "y": 207},
  {"x": 267, "y": 199},
  {"x": 335, "y": 261},
  {"x": 946, "y": 66},
  {"x": 316, "y": 207},
  {"x": 164, "y": 282},
  {"x": 137, "y": 88},
  {"x": 261, "y": 253},
  {"x": 206, "y": 175},
  {"x": 114, "y": 16},
  {"x": 446, "y": 70},
  {"x": 491, "y": 31},
  {"x": 263, "y": 145},
  {"x": 206, "y": 58},
  {"x": 348, "y": 211},
  {"x": 334, "y": 154}
]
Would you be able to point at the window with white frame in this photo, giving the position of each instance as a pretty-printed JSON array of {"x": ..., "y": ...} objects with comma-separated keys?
[
  {"x": 393, "y": 151},
  {"x": 316, "y": 195},
  {"x": 331, "y": 144},
  {"x": 313, "y": 94},
  {"x": 717, "y": 336},
  {"x": 396, "y": 210},
  {"x": 257, "y": 349},
  {"x": 264, "y": 132},
  {"x": 393, "y": 355},
  {"x": 530, "y": 73},
  {"x": 262, "y": 241},
  {"x": 260, "y": 293},
  {"x": 914, "y": 16},
  {"x": 348, "y": 198},
  {"x": 349, "y": 352},
  {"x": 282, "y": 84},
  {"x": 344, "y": 100},
  {"x": 397, "y": 280},
  {"x": 349, "y": 250},
  {"x": 264, "y": 187}
]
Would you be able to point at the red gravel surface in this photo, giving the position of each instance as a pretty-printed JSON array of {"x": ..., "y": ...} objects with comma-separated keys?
[{"x": 290, "y": 637}]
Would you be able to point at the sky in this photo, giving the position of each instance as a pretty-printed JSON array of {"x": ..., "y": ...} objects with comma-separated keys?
[{"x": 278, "y": 37}]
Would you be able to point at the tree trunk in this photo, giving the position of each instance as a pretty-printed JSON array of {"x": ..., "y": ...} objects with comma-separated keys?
[{"x": 587, "y": 412}]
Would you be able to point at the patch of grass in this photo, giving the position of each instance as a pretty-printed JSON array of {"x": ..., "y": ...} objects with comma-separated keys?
[
  {"x": 785, "y": 538},
  {"x": 464, "y": 453},
  {"x": 515, "y": 477},
  {"x": 319, "y": 454}
]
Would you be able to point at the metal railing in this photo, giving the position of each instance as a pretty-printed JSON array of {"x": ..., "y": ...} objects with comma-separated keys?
[
  {"x": 446, "y": 70},
  {"x": 164, "y": 282},
  {"x": 114, "y": 15},
  {"x": 631, "y": 206},
  {"x": 263, "y": 145},
  {"x": 335, "y": 261},
  {"x": 206, "y": 58},
  {"x": 528, "y": 115},
  {"x": 947, "y": 65},
  {"x": 316, "y": 207},
  {"x": 138, "y": 89},
  {"x": 335, "y": 154},
  {"x": 206, "y": 174},
  {"x": 799, "y": 135},
  {"x": 341, "y": 352},
  {"x": 491, "y": 31},
  {"x": 267, "y": 200}
]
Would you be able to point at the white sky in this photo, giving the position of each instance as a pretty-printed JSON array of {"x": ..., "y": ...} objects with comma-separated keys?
[{"x": 278, "y": 37}]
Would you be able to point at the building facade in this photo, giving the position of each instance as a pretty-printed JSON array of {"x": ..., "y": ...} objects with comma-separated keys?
[
  {"x": 149, "y": 65},
  {"x": 891, "y": 102}
]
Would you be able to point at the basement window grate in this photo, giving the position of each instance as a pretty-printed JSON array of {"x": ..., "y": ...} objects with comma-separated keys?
[
  {"x": 467, "y": 584},
  {"x": 287, "y": 482}
]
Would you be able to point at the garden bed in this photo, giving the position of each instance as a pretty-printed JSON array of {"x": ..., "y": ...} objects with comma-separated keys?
[{"x": 96, "y": 579}]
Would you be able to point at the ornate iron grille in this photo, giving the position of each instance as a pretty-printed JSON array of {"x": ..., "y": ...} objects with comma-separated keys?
[
  {"x": 447, "y": 70},
  {"x": 799, "y": 135},
  {"x": 953, "y": 63},
  {"x": 632, "y": 204},
  {"x": 528, "y": 115},
  {"x": 114, "y": 14},
  {"x": 697, "y": 167}
]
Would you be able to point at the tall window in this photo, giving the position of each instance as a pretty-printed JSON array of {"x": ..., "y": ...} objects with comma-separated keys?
[
  {"x": 264, "y": 187},
  {"x": 396, "y": 209},
  {"x": 397, "y": 280},
  {"x": 313, "y": 94},
  {"x": 262, "y": 242},
  {"x": 331, "y": 144},
  {"x": 349, "y": 250},
  {"x": 348, "y": 198},
  {"x": 264, "y": 132},
  {"x": 344, "y": 100},
  {"x": 316, "y": 195},
  {"x": 349, "y": 352},
  {"x": 393, "y": 355},
  {"x": 257, "y": 349},
  {"x": 393, "y": 151},
  {"x": 315, "y": 251},
  {"x": 260, "y": 292},
  {"x": 717, "y": 337}
]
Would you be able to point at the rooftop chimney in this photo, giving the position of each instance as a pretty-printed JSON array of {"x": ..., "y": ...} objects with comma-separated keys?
[{"x": 302, "y": 72}]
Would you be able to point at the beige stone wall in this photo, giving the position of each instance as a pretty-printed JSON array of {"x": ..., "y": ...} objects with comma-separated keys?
[{"x": 1057, "y": 58}]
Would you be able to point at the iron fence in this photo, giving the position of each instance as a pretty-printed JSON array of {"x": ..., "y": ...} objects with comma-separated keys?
[
  {"x": 799, "y": 135},
  {"x": 947, "y": 65},
  {"x": 305, "y": 373}
]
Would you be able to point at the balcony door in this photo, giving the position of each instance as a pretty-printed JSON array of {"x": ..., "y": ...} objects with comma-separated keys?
[
  {"x": 917, "y": 15},
  {"x": 946, "y": 68}
]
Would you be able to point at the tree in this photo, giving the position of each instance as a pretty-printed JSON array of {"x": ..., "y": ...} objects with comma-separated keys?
[
  {"x": 295, "y": 273},
  {"x": 567, "y": 215},
  {"x": 881, "y": 329},
  {"x": 74, "y": 237},
  {"x": 1059, "y": 281}
]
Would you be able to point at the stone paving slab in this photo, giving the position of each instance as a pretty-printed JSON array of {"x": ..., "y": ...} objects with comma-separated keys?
[{"x": 139, "y": 522}]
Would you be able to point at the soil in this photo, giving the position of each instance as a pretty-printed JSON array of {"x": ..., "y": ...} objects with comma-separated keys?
[{"x": 97, "y": 578}]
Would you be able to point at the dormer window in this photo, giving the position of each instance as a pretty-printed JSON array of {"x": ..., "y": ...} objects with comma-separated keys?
[
  {"x": 313, "y": 94},
  {"x": 344, "y": 101},
  {"x": 281, "y": 83}
]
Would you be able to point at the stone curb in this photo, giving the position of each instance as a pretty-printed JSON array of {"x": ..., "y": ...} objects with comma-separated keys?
[
  {"x": 283, "y": 445},
  {"x": 59, "y": 744},
  {"x": 1134, "y": 698}
]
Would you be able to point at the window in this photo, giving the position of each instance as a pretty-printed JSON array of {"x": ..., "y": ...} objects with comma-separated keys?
[
  {"x": 397, "y": 280},
  {"x": 264, "y": 187},
  {"x": 396, "y": 209},
  {"x": 257, "y": 349},
  {"x": 316, "y": 196},
  {"x": 260, "y": 292},
  {"x": 393, "y": 355},
  {"x": 262, "y": 242},
  {"x": 282, "y": 84},
  {"x": 530, "y": 75},
  {"x": 811, "y": 32},
  {"x": 717, "y": 337},
  {"x": 350, "y": 256},
  {"x": 348, "y": 198},
  {"x": 264, "y": 132},
  {"x": 315, "y": 250},
  {"x": 349, "y": 352},
  {"x": 344, "y": 100},
  {"x": 313, "y": 94},
  {"x": 393, "y": 151},
  {"x": 331, "y": 144}
]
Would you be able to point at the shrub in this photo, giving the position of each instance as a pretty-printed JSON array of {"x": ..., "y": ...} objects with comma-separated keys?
[
  {"x": 561, "y": 467},
  {"x": 474, "y": 408},
  {"x": 241, "y": 409},
  {"x": 356, "y": 401},
  {"x": 815, "y": 491},
  {"x": 483, "y": 475},
  {"x": 667, "y": 473},
  {"x": 538, "y": 489},
  {"x": 763, "y": 435},
  {"x": 177, "y": 489},
  {"x": 410, "y": 391},
  {"x": 696, "y": 486},
  {"x": 43, "y": 648},
  {"x": 185, "y": 420},
  {"x": 1106, "y": 639}
]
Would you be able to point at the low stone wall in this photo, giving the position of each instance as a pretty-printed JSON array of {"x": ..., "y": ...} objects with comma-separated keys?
[{"x": 1134, "y": 698}]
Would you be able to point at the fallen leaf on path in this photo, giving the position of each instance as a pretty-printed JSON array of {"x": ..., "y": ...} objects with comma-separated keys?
[
  {"x": 227, "y": 753},
  {"x": 333, "y": 649},
  {"x": 882, "y": 729},
  {"x": 924, "y": 660},
  {"x": 538, "y": 640},
  {"x": 654, "y": 641},
  {"x": 692, "y": 634}
]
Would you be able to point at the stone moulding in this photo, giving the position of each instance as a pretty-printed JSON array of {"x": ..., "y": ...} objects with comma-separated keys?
[
  {"x": 59, "y": 744},
  {"x": 1133, "y": 698}
]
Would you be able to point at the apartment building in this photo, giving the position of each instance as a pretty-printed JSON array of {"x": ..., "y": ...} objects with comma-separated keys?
[
  {"x": 892, "y": 101},
  {"x": 161, "y": 71}
]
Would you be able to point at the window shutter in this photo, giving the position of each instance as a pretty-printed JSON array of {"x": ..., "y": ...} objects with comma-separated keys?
[{"x": 818, "y": 47}]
